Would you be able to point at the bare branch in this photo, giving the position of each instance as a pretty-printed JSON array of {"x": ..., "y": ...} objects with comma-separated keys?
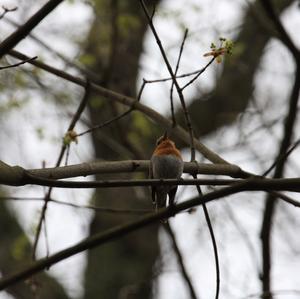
[
  {"x": 7, "y": 10},
  {"x": 212, "y": 236},
  {"x": 198, "y": 74},
  {"x": 282, "y": 157},
  {"x": 78, "y": 206},
  {"x": 175, "y": 74},
  {"x": 285, "y": 38},
  {"x": 180, "y": 260},
  {"x": 118, "y": 231},
  {"x": 254, "y": 183},
  {"x": 178, "y": 131},
  {"x": 289, "y": 124},
  {"x": 179, "y": 90},
  {"x": 17, "y": 64},
  {"x": 98, "y": 167},
  {"x": 64, "y": 147},
  {"x": 11, "y": 41}
]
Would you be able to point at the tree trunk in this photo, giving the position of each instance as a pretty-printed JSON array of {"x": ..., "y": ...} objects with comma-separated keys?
[
  {"x": 122, "y": 269},
  {"x": 15, "y": 254}
]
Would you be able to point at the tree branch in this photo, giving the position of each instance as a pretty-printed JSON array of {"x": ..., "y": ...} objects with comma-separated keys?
[
  {"x": 17, "y": 64},
  {"x": 178, "y": 131},
  {"x": 289, "y": 124},
  {"x": 13, "y": 175},
  {"x": 283, "y": 35},
  {"x": 180, "y": 260},
  {"x": 116, "y": 232},
  {"x": 121, "y": 230},
  {"x": 12, "y": 40},
  {"x": 65, "y": 147},
  {"x": 98, "y": 167}
]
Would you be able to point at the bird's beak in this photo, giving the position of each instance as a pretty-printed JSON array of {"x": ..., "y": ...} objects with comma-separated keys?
[{"x": 165, "y": 136}]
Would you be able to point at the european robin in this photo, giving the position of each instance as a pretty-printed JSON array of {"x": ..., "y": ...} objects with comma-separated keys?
[{"x": 166, "y": 163}]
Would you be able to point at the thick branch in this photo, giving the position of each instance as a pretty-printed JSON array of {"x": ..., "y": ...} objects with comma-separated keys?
[
  {"x": 11, "y": 41},
  {"x": 10, "y": 175},
  {"x": 18, "y": 176},
  {"x": 14, "y": 175},
  {"x": 93, "y": 168},
  {"x": 283, "y": 35}
]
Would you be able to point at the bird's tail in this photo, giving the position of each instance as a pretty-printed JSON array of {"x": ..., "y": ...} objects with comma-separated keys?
[{"x": 161, "y": 199}]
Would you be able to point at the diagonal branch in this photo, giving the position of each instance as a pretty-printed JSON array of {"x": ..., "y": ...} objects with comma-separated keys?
[
  {"x": 283, "y": 35},
  {"x": 116, "y": 232},
  {"x": 60, "y": 157},
  {"x": 12, "y": 40},
  {"x": 178, "y": 131},
  {"x": 17, "y": 64},
  {"x": 121, "y": 230}
]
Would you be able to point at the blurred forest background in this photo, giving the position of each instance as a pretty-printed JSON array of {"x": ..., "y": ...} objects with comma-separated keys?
[{"x": 244, "y": 108}]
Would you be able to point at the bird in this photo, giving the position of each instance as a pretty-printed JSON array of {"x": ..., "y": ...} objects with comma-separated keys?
[{"x": 166, "y": 163}]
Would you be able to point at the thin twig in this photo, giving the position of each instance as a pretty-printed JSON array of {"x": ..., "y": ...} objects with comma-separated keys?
[
  {"x": 175, "y": 74},
  {"x": 78, "y": 206},
  {"x": 7, "y": 10},
  {"x": 106, "y": 123},
  {"x": 276, "y": 293},
  {"x": 141, "y": 90},
  {"x": 68, "y": 62},
  {"x": 103, "y": 209},
  {"x": 287, "y": 199},
  {"x": 58, "y": 162},
  {"x": 18, "y": 64},
  {"x": 198, "y": 74},
  {"x": 179, "y": 90},
  {"x": 212, "y": 236},
  {"x": 46, "y": 238},
  {"x": 282, "y": 157},
  {"x": 180, "y": 260},
  {"x": 179, "y": 76}
]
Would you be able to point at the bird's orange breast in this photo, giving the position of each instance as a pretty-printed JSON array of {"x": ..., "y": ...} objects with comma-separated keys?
[{"x": 167, "y": 148}]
